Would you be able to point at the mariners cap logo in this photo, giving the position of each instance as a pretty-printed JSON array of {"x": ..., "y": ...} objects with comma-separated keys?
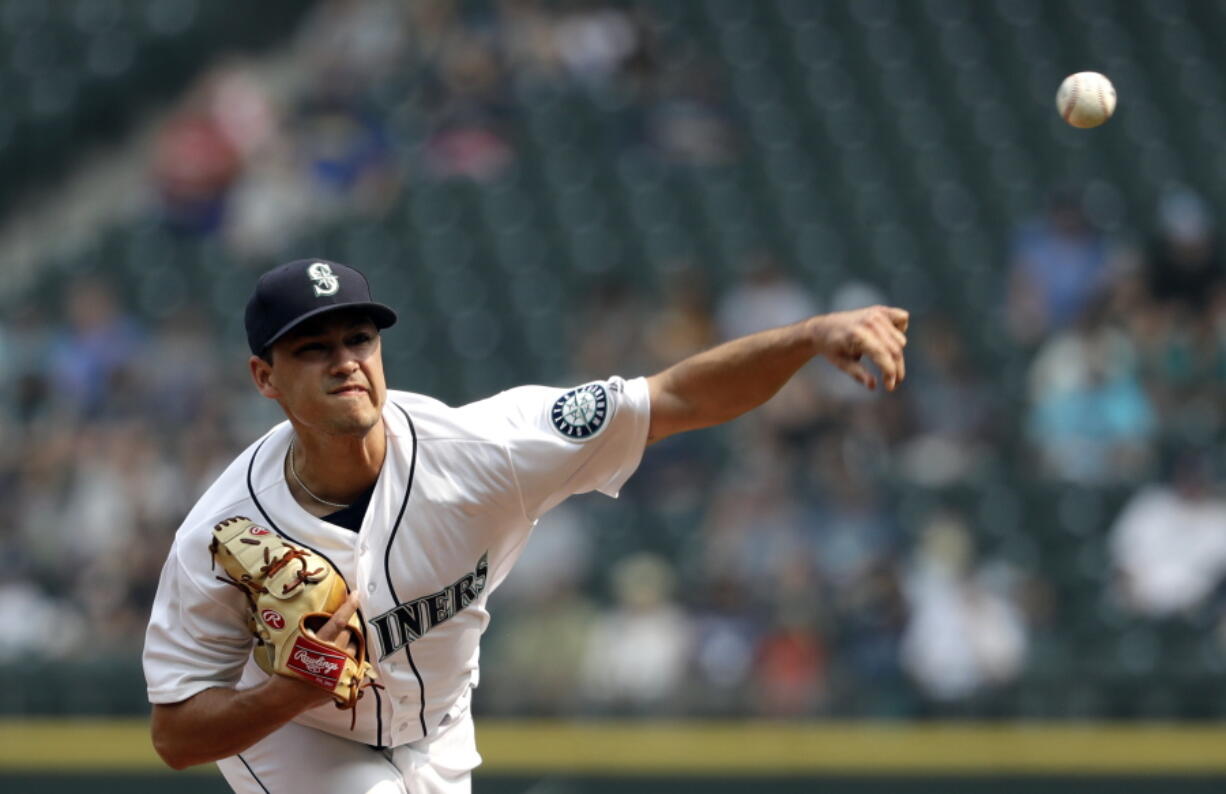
[
  {"x": 326, "y": 282},
  {"x": 581, "y": 413}
]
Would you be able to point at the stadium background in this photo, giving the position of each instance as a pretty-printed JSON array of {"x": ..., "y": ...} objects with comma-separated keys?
[{"x": 1007, "y": 575}]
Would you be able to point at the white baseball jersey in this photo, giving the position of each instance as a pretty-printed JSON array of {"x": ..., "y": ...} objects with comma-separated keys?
[{"x": 453, "y": 506}]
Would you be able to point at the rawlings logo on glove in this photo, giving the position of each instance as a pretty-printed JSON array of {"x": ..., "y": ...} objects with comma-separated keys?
[
  {"x": 319, "y": 663},
  {"x": 291, "y": 593}
]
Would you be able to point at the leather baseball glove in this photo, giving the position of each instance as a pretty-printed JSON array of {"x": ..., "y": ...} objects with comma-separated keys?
[{"x": 291, "y": 593}]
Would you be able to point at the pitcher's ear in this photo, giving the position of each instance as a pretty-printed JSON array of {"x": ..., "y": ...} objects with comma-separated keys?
[{"x": 261, "y": 375}]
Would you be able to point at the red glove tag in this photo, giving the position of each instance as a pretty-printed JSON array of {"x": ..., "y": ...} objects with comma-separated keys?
[{"x": 320, "y": 663}]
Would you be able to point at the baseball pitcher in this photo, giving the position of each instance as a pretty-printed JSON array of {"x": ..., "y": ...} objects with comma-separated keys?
[{"x": 317, "y": 622}]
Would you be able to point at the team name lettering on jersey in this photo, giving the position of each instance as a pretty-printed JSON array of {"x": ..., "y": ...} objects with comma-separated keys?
[{"x": 405, "y": 623}]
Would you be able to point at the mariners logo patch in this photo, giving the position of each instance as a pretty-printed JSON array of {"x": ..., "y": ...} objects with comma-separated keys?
[
  {"x": 581, "y": 413},
  {"x": 325, "y": 281}
]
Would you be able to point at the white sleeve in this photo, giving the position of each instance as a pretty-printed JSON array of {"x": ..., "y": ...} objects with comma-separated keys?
[
  {"x": 195, "y": 639},
  {"x": 569, "y": 441}
]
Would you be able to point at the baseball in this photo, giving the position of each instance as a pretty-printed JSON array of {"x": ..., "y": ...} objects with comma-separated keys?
[{"x": 1086, "y": 99}]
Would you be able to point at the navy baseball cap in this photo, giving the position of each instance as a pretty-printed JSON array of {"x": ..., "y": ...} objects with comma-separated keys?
[{"x": 305, "y": 288}]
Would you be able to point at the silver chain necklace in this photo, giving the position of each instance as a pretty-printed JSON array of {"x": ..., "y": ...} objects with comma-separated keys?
[{"x": 294, "y": 471}]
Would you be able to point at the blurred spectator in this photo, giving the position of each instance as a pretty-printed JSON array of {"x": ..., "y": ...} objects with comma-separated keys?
[
  {"x": 946, "y": 446},
  {"x": 848, "y": 531},
  {"x": 541, "y": 645},
  {"x": 242, "y": 108},
  {"x": 559, "y": 553},
  {"x": 1181, "y": 358},
  {"x": 594, "y": 40},
  {"x": 635, "y": 661},
  {"x": 121, "y": 484},
  {"x": 180, "y": 367},
  {"x": 27, "y": 616},
  {"x": 687, "y": 123},
  {"x": 1090, "y": 421},
  {"x": 1185, "y": 265},
  {"x": 592, "y": 44},
  {"x": 790, "y": 670},
  {"x": 343, "y": 145},
  {"x": 872, "y": 619},
  {"x": 763, "y": 297},
  {"x": 11, "y": 447},
  {"x": 529, "y": 42},
  {"x": 726, "y": 630},
  {"x": 272, "y": 204},
  {"x": 96, "y": 348},
  {"x": 1168, "y": 544},
  {"x": 1059, "y": 264},
  {"x": 543, "y": 636},
  {"x": 43, "y": 475},
  {"x": 194, "y": 165},
  {"x": 204, "y": 447},
  {"x": 472, "y": 151},
  {"x": 608, "y": 331},
  {"x": 755, "y": 522},
  {"x": 271, "y": 199},
  {"x": 364, "y": 39},
  {"x": 469, "y": 109},
  {"x": 29, "y": 334},
  {"x": 1215, "y": 323},
  {"x": 684, "y": 324},
  {"x": 676, "y": 477},
  {"x": 963, "y": 635}
]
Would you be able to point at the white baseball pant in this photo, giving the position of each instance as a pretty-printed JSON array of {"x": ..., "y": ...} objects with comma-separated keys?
[{"x": 298, "y": 760}]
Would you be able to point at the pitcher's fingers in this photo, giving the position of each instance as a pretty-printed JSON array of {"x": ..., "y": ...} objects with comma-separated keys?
[
  {"x": 347, "y": 641},
  {"x": 899, "y": 318},
  {"x": 882, "y": 355},
  {"x": 895, "y": 340},
  {"x": 858, "y": 371},
  {"x": 340, "y": 619},
  {"x": 890, "y": 336},
  {"x": 892, "y": 332}
]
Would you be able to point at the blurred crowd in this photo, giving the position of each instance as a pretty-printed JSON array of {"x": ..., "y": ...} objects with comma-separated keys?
[
  {"x": 256, "y": 161},
  {"x": 811, "y": 558}
]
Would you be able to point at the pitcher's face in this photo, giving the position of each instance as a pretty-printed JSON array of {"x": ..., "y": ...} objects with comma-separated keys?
[{"x": 327, "y": 374}]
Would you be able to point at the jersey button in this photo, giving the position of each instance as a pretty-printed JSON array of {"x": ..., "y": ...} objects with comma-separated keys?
[
  {"x": 404, "y": 726},
  {"x": 370, "y": 588},
  {"x": 363, "y": 548}
]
